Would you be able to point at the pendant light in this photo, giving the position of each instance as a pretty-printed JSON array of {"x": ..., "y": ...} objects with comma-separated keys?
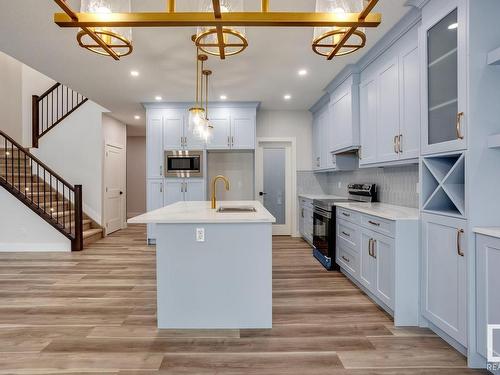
[
  {"x": 197, "y": 113},
  {"x": 207, "y": 130},
  {"x": 118, "y": 39},
  {"x": 326, "y": 39},
  {"x": 230, "y": 40}
]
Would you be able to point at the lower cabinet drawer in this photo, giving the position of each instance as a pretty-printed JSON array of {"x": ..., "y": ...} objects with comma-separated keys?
[
  {"x": 377, "y": 224},
  {"x": 348, "y": 232},
  {"x": 347, "y": 259}
]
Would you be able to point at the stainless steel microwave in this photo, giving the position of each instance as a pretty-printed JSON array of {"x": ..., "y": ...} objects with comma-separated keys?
[{"x": 184, "y": 163}]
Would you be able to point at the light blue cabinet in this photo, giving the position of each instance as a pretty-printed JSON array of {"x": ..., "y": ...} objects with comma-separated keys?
[
  {"x": 154, "y": 191},
  {"x": 488, "y": 291},
  {"x": 444, "y": 117},
  {"x": 344, "y": 116},
  {"x": 184, "y": 189},
  {"x": 154, "y": 145},
  {"x": 444, "y": 274},
  {"x": 390, "y": 105},
  {"x": 234, "y": 128}
]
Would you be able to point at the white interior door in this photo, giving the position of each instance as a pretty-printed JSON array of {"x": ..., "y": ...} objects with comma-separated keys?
[
  {"x": 273, "y": 179},
  {"x": 114, "y": 183}
]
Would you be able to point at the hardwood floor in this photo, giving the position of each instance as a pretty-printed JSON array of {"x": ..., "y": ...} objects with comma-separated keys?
[{"x": 94, "y": 312}]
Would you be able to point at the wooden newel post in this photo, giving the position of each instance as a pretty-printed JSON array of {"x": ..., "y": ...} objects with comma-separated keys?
[
  {"x": 34, "y": 120},
  {"x": 77, "y": 244}
]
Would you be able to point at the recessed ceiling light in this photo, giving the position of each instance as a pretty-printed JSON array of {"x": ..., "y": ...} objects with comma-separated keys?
[
  {"x": 137, "y": 117},
  {"x": 158, "y": 98},
  {"x": 453, "y": 26},
  {"x": 287, "y": 97},
  {"x": 302, "y": 72},
  {"x": 223, "y": 97},
  {"x": 134, "y": 73}
]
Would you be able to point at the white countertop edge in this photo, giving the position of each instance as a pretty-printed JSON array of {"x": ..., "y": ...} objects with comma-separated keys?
[
  {"x": 320, "y": 196},
  {"x": 488, "y": 231},
  {"x": 382, "y": 210},
  {"x": 199, "y": 212}
]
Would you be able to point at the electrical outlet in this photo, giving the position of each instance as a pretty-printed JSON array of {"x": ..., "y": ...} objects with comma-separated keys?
[{"x": 200, "y": 234}]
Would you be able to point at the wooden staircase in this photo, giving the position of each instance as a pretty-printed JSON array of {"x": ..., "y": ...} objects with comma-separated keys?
[{"x": 45, "y": 193}]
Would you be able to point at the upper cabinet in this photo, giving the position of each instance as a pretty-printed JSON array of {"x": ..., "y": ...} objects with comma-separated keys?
[
  {"x": 390, "y": 105},
  {"x": 444, "y": 122},
  {"x": 234, "y": 128},
  {"x": 344, "y": 116}
]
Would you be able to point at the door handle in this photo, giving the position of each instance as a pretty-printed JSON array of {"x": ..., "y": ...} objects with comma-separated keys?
[
  {"x": 121, "y": 192},
  {"x": 459, "y": 125},
  {"x": 459, "y": 249},
  {"x": 261, "y": 193}
]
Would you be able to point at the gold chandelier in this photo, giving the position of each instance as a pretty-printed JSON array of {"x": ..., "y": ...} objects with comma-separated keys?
[{"x": 220, "y": 25}]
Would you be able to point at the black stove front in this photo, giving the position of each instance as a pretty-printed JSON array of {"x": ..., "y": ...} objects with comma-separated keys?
[{"x": 324, "y": 219}]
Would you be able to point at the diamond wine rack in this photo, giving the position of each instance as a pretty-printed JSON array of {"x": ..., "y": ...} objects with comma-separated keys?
[{"x": 443, "y": 185}]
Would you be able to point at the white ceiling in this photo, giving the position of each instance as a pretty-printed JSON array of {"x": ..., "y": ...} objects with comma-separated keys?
[{"x": 165, "y": 58}]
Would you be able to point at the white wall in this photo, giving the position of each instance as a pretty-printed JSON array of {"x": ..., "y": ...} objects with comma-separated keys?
[
  {"x": 74, "y": 150},
  {"x": 296, "y": 124},
  {"x": 10, "y": 96},
  {"x": 33, "y": 83},
  {"x": 239, "y": 168},
  {"x": 22, "y": 230},
  {"x": 136, "y": 176}
]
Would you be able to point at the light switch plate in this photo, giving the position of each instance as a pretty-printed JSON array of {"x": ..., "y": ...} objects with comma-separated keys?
[{"x": 200, "y": 234}]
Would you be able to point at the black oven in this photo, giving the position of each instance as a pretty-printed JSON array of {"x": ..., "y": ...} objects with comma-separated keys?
[{"x": 324, "y": 237}]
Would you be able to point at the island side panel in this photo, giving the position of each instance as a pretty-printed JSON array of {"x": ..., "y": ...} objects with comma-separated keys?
[{"x": 224, "y": 282}]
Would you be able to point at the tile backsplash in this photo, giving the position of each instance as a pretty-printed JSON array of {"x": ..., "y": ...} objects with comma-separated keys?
[{"x": 396, "y": 185}]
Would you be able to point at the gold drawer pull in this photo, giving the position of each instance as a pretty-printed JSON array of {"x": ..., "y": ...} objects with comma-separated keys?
[
  {"x": 374, "y": 223},
  {"x": 373, "y": 249},
  {"x": 459, "y": 125},
  {"x": 346, "y": 234},
  {"x": 347, "y": 260},
  {"x": 346, "y": 214},
  {"x": 459, "y": 249}
]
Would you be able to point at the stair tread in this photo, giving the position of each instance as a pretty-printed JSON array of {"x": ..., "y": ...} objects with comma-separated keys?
[{"x": 91, "y": 232}]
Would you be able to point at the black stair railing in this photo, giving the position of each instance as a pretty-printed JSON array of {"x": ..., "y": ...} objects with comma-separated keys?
[
  {"x": 52, "y": 107},
  {"x": 42, "y": 190}
]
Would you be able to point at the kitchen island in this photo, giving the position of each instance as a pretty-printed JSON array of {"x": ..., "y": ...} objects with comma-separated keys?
[{"x": 213, "y": 269}]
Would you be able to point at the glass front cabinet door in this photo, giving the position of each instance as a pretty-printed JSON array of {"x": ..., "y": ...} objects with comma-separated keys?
[{"x": 444, "y": 125}]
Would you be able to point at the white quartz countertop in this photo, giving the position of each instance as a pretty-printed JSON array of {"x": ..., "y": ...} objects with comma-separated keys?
[
  {"x": 320, "y": 196},
  {"x": 200, "y": 212},
  {"x": 488, "y": 231},
  {"x": 383, "y": 210}
]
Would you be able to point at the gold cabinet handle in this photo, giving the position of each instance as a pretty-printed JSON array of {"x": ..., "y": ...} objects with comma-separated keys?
[
  {"x": 346, "y": 214},
  {"x": 161, "y": 188},
  {"x": 459, "y": 249},
  {"x": 395, "y": 144},
  {"x": 161, "y": 170},
  {"x": 459, "y": 125},
  {"x": 232, "y": 141},
  {"x": 228, "y": 141},
  {"x": 374, "y": 223},
  {"x": 346, "y": 234},
  {"x": 370, "y": 247},
  {"x": 373, "y": 249},
  {"x": 302, "y": 212},
  {"x": 346, "y": 259},
  {"x": 400, "y": 143}
]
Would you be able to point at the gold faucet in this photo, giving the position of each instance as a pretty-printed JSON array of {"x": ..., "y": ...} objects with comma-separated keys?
[{"x": 214, "y": 184}]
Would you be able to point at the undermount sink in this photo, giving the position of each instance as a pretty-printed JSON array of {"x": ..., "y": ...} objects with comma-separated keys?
[{"x": 236, "y": 209}]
